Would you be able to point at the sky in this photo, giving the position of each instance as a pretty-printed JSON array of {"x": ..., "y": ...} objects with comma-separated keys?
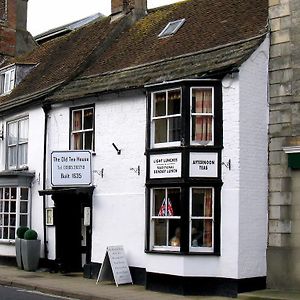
[{"x": 44, "y": 14}]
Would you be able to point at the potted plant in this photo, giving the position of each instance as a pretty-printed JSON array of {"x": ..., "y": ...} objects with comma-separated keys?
[
  {"x": 20, "y": 235},
  {"x": 30, "y": 246}
]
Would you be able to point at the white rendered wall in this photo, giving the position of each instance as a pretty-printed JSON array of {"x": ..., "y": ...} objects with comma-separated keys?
[
  {"x": 254, "y": 163},
  {"x": 119, "y": 197},
  {"x": 35, "y": 164}
]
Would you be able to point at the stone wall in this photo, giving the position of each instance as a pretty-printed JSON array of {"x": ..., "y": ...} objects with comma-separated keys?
[{"x": 284, "y": 130}]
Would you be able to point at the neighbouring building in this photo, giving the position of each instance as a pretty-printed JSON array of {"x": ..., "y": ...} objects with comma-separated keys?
[
  {"x": 284, "y": 147},
  {"x": 146, "y": 129}
]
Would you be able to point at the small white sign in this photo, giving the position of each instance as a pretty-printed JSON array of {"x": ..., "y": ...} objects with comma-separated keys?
[
  {"x": 71, "y": 168},
  {"x": 203, "y": 164},
  {"x": 165, "y": 165},
  {"x": 115, "y": 266}
]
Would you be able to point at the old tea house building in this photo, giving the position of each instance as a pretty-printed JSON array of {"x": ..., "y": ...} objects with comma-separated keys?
[{"x": 153, "y": 123}]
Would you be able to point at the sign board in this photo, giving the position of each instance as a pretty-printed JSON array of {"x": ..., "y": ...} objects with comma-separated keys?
[
  {"x": 71, "y": 168},
  {"x": 203, "y": 164},
  {"x": 115, "y": 266},
  {"x": 165, "y": 165}
]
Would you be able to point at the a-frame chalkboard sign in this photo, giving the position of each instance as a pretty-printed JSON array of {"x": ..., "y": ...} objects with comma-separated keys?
[{"x": 115, "y": 267}]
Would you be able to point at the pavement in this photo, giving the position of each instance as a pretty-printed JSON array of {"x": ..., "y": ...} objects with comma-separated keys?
[{"x": 73, "y": 285}]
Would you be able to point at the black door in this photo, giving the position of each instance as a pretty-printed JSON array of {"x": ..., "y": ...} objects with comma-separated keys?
[{"x": 68, "y": 233}]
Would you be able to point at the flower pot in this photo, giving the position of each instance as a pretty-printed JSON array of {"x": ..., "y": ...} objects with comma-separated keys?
[
  {"x": 30, "y": 254},
  {"x": 18, "y": 253}
]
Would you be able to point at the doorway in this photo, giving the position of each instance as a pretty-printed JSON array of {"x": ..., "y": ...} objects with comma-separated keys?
[{"x": 73, "y": 237}]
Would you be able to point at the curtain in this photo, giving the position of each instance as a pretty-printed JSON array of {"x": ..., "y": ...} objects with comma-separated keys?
[{"x": 207, "y": 239}]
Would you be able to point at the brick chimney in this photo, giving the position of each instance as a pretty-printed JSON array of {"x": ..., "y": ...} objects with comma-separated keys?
[
  {"x": 139, "y": 7},
  {"x": 15, "y": 39}
]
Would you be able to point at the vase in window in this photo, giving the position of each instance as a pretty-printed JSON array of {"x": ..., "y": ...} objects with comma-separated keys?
[
  {"x": 20, "y": 235},
  {"x": 30, "y": 247}
]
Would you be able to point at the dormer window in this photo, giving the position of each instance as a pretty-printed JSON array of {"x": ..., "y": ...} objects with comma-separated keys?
[
  {"x": 171, "y": 28},
  {"x": 7, "y": 81}
]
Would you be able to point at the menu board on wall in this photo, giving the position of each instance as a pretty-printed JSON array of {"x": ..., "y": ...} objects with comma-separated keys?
[
  {"x": 203, "y": 164},
  {"x": 165, "y": 165}
]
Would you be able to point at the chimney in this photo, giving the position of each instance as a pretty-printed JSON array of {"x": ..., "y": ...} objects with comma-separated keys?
[
  {"x": 15, "y": 39},
  {"x": 139, "y": 7}
]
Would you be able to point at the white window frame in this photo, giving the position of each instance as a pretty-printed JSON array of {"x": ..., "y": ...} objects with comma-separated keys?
[
  {"x": 191, "y": 218},
  {"x": 7, "y": 81},
  {"x": 18, "y": 210},
  {"x": 83, "y": 131},
  {"x": 153, "y": 218},
  {"x": 211, "y": 143},
  {"x": 166, "y": 144},
  {"x": 163, "y": 32},
  {"x": 17, "y": 166}
]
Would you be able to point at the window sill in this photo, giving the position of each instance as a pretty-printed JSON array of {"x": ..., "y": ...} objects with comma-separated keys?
[
  {"x": 7, "y": 242},
  {"x": 198, "y": 253}
]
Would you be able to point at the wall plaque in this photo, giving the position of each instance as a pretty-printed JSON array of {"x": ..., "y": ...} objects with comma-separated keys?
[
  {"x": 203, "y": 164},
  {"x": 71, "y": 168},
  {"x": 165, "y": 165}
]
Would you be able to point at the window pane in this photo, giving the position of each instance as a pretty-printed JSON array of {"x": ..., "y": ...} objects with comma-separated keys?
[
  {"x": 6, "y": 206},
  {"x": 1, "y": 193},
  {"x": 160, "y": 131},
  {"x": 12, "y": 221},
  {"x": 174, "y": 102},
  {"x": 77, "y": 141},
  {"x": 202, "y": 101},
  {"x": 201, "y": 235},
  {"x": 12, "y": 232},
  {"x": 13, "y": 193},
  {"x": 1, "y": 220},
  {"x": 5, "y": 233},
  {"x": 202, "y": 203},
  {"x": 5, "y": 220},
  {"x": 202, "y": 128},
  {"x": 12, "y": 133},
  {"x": 160, "y": 232},
  {"x": 159, "y": 106},
  {"x": 23, "y": 220},
  {"x": 12, "y": 156},
  {"x": 77, "y": 120},
  {"x": 22, "y": 154},
  {"x": 174, "y": 233},
  {"x": 174, "y": 129},
  {"x": 158, "y": 197},
  {"x": 23, "y": 207},
  {"x": 1, "y": 206},
  {"x": 23, "y": 131},
  {"x": 88, "y": 140},
  {"x": 6, "y": 193},
  {"x": 24, "y": 193},
  {"x": 13, "y": 206},
  {"x": 174, "y": 201},
  {"x": 88, "y": 119}
]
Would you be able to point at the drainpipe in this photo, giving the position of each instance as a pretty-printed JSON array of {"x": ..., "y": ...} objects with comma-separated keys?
[{"x": 46, "y": 109}]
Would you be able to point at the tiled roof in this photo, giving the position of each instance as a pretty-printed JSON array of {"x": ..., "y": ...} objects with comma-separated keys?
[{"x": 105, "y": 56}]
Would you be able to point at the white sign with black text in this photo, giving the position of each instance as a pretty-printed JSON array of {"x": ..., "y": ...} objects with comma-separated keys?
[
  {"x": 165, "y": 165},
  {"x": 203, "y": 164},
  {"x": 115, "y": 266},
  {"x": 71, "y": 168}
]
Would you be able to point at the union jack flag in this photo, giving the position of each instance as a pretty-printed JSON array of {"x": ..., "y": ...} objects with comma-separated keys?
[{"x": 166, "y": 209}]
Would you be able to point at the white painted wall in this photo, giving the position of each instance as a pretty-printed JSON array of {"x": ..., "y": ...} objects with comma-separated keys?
[
  {"x": 254, "y": 163},
  {"x": 35, "y": 164}
]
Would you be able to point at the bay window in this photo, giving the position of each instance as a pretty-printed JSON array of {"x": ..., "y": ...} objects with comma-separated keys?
[
  {"x": 17, "y": 143},
  {"x": 14, "y": 211},
  {"x": 82, "y": 128},
  {"x": 183, "y": 211},
  {"x": 166, "y": 117}
]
